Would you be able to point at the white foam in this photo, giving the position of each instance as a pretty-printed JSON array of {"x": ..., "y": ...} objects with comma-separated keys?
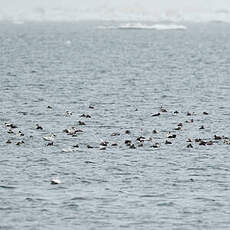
[{"x": 68, "y": 43}]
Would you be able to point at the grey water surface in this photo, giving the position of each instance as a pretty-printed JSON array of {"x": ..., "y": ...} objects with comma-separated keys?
[{"x": 125, "y": 76}]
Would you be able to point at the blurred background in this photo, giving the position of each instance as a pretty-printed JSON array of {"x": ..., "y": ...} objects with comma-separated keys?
[{"x": 154, "y": 10}]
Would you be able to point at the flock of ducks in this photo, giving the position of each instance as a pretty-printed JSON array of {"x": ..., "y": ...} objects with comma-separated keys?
[{"x": 139, "y": 141}]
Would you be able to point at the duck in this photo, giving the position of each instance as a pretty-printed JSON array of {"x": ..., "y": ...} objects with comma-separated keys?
[
  {"x": 210, "y": 143},
  {"x": 20, "y": 143},
  {"x": 170, "y": 135},
  {"x": 85, "y": 115},
  {"x": 81, "y": 123},
  {"x": 49, "y": 138},
  {"x": 115, "y": 134},
  {"x": 132, "y": 146},
  {"x": 155, "y": 131},
  {"x": 202, "y": 143},
  {"x": 168, "y": 142},
  {"x": 156, "y": 115},
  {"x": 55, "y": 181},
  {"x": 68, "y": 113},
  {"x": 104, "y": 143},
  {"x": 10, "y": 131},
  {"x": 141, "y": 139},
  {"x": 189, "y": 146},
  {"x": 12, "y": 126},
  {"x": 50, "y": 144},
  {"x": 102, "y": 147},
  {"x": 156, "y": 145},
  {"x": 21, "y": 134},
  {"x": 38, "y": 127},
  {"x": 128, "y": 142},
  {"x": 163, "y": 110},
  {"x": 127, "y": 132},
  {"x": 217, "y": 137}
]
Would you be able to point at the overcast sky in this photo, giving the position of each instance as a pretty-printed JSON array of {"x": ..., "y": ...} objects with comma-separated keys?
[
  {"x": 162, "y": 4},
  {"x": 13, "y": 8}
]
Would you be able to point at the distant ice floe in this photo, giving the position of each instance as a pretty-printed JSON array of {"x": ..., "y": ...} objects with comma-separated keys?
[
  {"x": 141, "y": 26},
  {"x": 152, "y": 27}
]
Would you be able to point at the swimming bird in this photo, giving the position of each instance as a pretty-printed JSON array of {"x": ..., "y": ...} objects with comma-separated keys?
[
  {"x": 50, "y": 144},
  {"x": 115, "y": 134},
  {"x": 20, "y": 142},
  {"x": 202, "y": 143},
  {"x": 12, "y": 126},
  {"x": 156, "y": 145},
  {"x": 55, "y": 181},
  {"x": 85, "y": 115},
  {"x": 141, "y": 139},
  {"x": 132, "y": 146},
  {"x": 21, "y": 134},
  {"x": 156, "y": 115},
  {"x": 210, "y": 143},
  {"x": 128, "y": 142},
  {"x": 163, "y": 110},
  {"x": 68, "y": 113},
  {"x": 170, "y": 135},
  {"x": 189, "y": 121},
  {"x": 102, "y": 147},
  {"x": 10, "y": 131},
  {"x": 189, "y": 146},
  {"x": 104, "y": 143},
  {"x": 50, "y": 137},
  {"x": 38, "y": 127},
  {"x": 81, "y": 123},
  {"x": 168, "y": 142},
  {"x": 217, "y": 137}
]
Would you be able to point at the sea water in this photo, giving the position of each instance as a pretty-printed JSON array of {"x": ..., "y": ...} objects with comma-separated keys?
[{"x": 120, "y": 77}]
